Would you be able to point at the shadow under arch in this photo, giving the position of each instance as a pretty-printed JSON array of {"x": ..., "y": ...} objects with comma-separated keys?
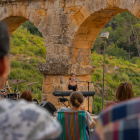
[
  {"x": 15, "y": 15},
  {"x": 13, "y": 23}
]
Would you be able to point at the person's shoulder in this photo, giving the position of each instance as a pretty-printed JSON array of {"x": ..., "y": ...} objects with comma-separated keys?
[
  {"x": 64, "y": 109},
  {"x": 88, "y": 114},
  {"x": 110, "y": 103},
  {"x": 35, "y": 115},
  {"x": 7, "y": 104}
]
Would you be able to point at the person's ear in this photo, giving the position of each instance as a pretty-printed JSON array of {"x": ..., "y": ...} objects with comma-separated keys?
[{"x": 2, "y": 66}]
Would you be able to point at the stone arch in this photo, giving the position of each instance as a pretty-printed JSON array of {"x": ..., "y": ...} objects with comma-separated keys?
[
  {"x": 90, "y": 19},
  {"x": 16, "y": 14}
]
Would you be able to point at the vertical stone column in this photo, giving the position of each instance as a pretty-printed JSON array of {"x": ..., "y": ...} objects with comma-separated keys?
[
  {"x": 55, "y": 80},
  {"x": 59, "y": 32}
]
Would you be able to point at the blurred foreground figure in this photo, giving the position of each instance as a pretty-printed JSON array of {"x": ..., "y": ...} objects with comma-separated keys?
[
  {"x": 119, "y": 122},
  {"x": 21, "y": 120}
]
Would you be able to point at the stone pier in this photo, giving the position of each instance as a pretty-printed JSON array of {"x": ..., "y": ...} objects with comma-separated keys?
[{"x": 56, "y": 79}]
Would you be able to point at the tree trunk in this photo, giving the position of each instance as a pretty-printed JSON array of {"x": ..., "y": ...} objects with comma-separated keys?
[
  {"x": 129, "y": 46},
  {"x": 138, "y": 46}
]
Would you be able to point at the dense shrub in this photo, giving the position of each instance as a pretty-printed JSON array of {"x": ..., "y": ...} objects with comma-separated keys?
[
  {"x": 97, "y": 105},
  {"x": 115, "y": 51},
  {"x": 124, "y": 77},
  {"x": 97, "y": 75},
  {"x": 27, "y": 66},
  {"x": 30, "y": 27},
  {"x": 15, "y": 64},
  {"x": 107, "y": 61},
  {"x": 110, "y": 91},
  {"x": 135, "y": 60}
]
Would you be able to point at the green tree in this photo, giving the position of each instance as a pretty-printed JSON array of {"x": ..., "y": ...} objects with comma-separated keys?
[
  {"x": 30, "y": 27},
  {"x": 124, "y": 32},
  {"x": 118, "y": 52}
]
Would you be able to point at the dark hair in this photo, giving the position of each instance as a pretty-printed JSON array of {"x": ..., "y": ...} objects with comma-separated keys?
[
  {"x": 27, "y": 95},
  {"x": 124, "y": 92},
  {"x": 4, "y": 40},
  {"x": 71, "y": 75},
  {"x": 76, "y": 98}
]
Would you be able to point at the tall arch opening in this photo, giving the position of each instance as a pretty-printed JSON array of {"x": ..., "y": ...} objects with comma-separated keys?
[
  {"x": 27, "y": 51},
  {"x": 89, "y": 24}
]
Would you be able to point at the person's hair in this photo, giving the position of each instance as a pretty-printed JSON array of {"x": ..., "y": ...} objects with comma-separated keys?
[
  {"x": 4, "y": 40},
  {"x": 76, "y": 98},
  {"x": 71, "y": 75},
  {"x": 124, "y": 92},
  {"x": 27, "y": 95}
]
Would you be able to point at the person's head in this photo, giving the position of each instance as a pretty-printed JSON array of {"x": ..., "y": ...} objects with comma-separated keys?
[
  {"x": 4, "y": 51},
  {"x": 76, "y": 99},
  {"x": 124, "y": 92},
  {"x": 72, "y": 76},
  {"x": 27, "y": 95}
]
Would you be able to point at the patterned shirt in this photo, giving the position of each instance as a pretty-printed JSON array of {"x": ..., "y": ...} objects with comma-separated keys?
[
  {"x": 121, "y": 122},
  {"x": 22, "y": 120}
]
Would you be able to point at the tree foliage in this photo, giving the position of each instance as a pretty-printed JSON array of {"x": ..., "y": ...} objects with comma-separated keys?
[
  {"x": 118, "y": 52},
  {"x": 124, "y": 32},
  {"x": 31, "y": 28}
]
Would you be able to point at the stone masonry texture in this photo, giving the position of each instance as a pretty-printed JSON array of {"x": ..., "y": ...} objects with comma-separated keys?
[{"x": 69, "y": 29}]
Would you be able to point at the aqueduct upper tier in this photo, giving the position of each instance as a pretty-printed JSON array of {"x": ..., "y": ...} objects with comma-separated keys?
[{"x": 69, "y": 28}]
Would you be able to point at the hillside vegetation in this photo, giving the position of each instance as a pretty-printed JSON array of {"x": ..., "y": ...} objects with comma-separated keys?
[
  {"x": 124, "y": 32},
  {"x": 27, "y": 51},
  {"x": 116, "y": 71},
  {"x": 123, "y": 45}
]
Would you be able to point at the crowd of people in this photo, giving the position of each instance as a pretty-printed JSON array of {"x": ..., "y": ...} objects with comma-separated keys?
[{"x": 23, "y": 120}]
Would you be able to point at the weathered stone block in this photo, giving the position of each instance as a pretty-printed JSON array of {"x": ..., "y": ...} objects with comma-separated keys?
[
  {"x": 85, "y": 11},
  {"x": 61, "y": 3},
  {"x": 79, "y": 18},
  {"x": 70, "y": 3},
  {"x": 42, "y": 12},
  {"x": 130, "y": 4},
  {"x": 37, "y": 20},
  {"x": 3, "y": 13},
  {"x": 123, "y": 4},
  {"x": 93, "y": 31},
  {"x": 79, "y": 2},
  {"x": 46, "y": 88},
  {"x": 135, "y": 10},
  {"x": 65, "y": 69},
  {"x": 37, "y": 5},
  {"x": 56, "y": 79},
  {"x": 43, "y": 97},
  {"x": 32, "y": 15},
  {"x": 116, "y": 2},
  {"x": 81, "y": 52},
  {"x": 47, "y": 79}
]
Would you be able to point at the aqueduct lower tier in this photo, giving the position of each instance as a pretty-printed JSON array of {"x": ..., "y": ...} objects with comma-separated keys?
[{"x": 69, "y": 28}]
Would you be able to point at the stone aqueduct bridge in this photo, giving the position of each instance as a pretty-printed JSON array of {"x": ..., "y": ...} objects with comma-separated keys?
[{"x": 69, "y": 28}]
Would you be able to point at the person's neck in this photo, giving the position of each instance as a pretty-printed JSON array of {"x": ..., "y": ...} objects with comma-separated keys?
[
  {"x": 72, "y": 80},
  {"x": 74, "y": 108}
]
